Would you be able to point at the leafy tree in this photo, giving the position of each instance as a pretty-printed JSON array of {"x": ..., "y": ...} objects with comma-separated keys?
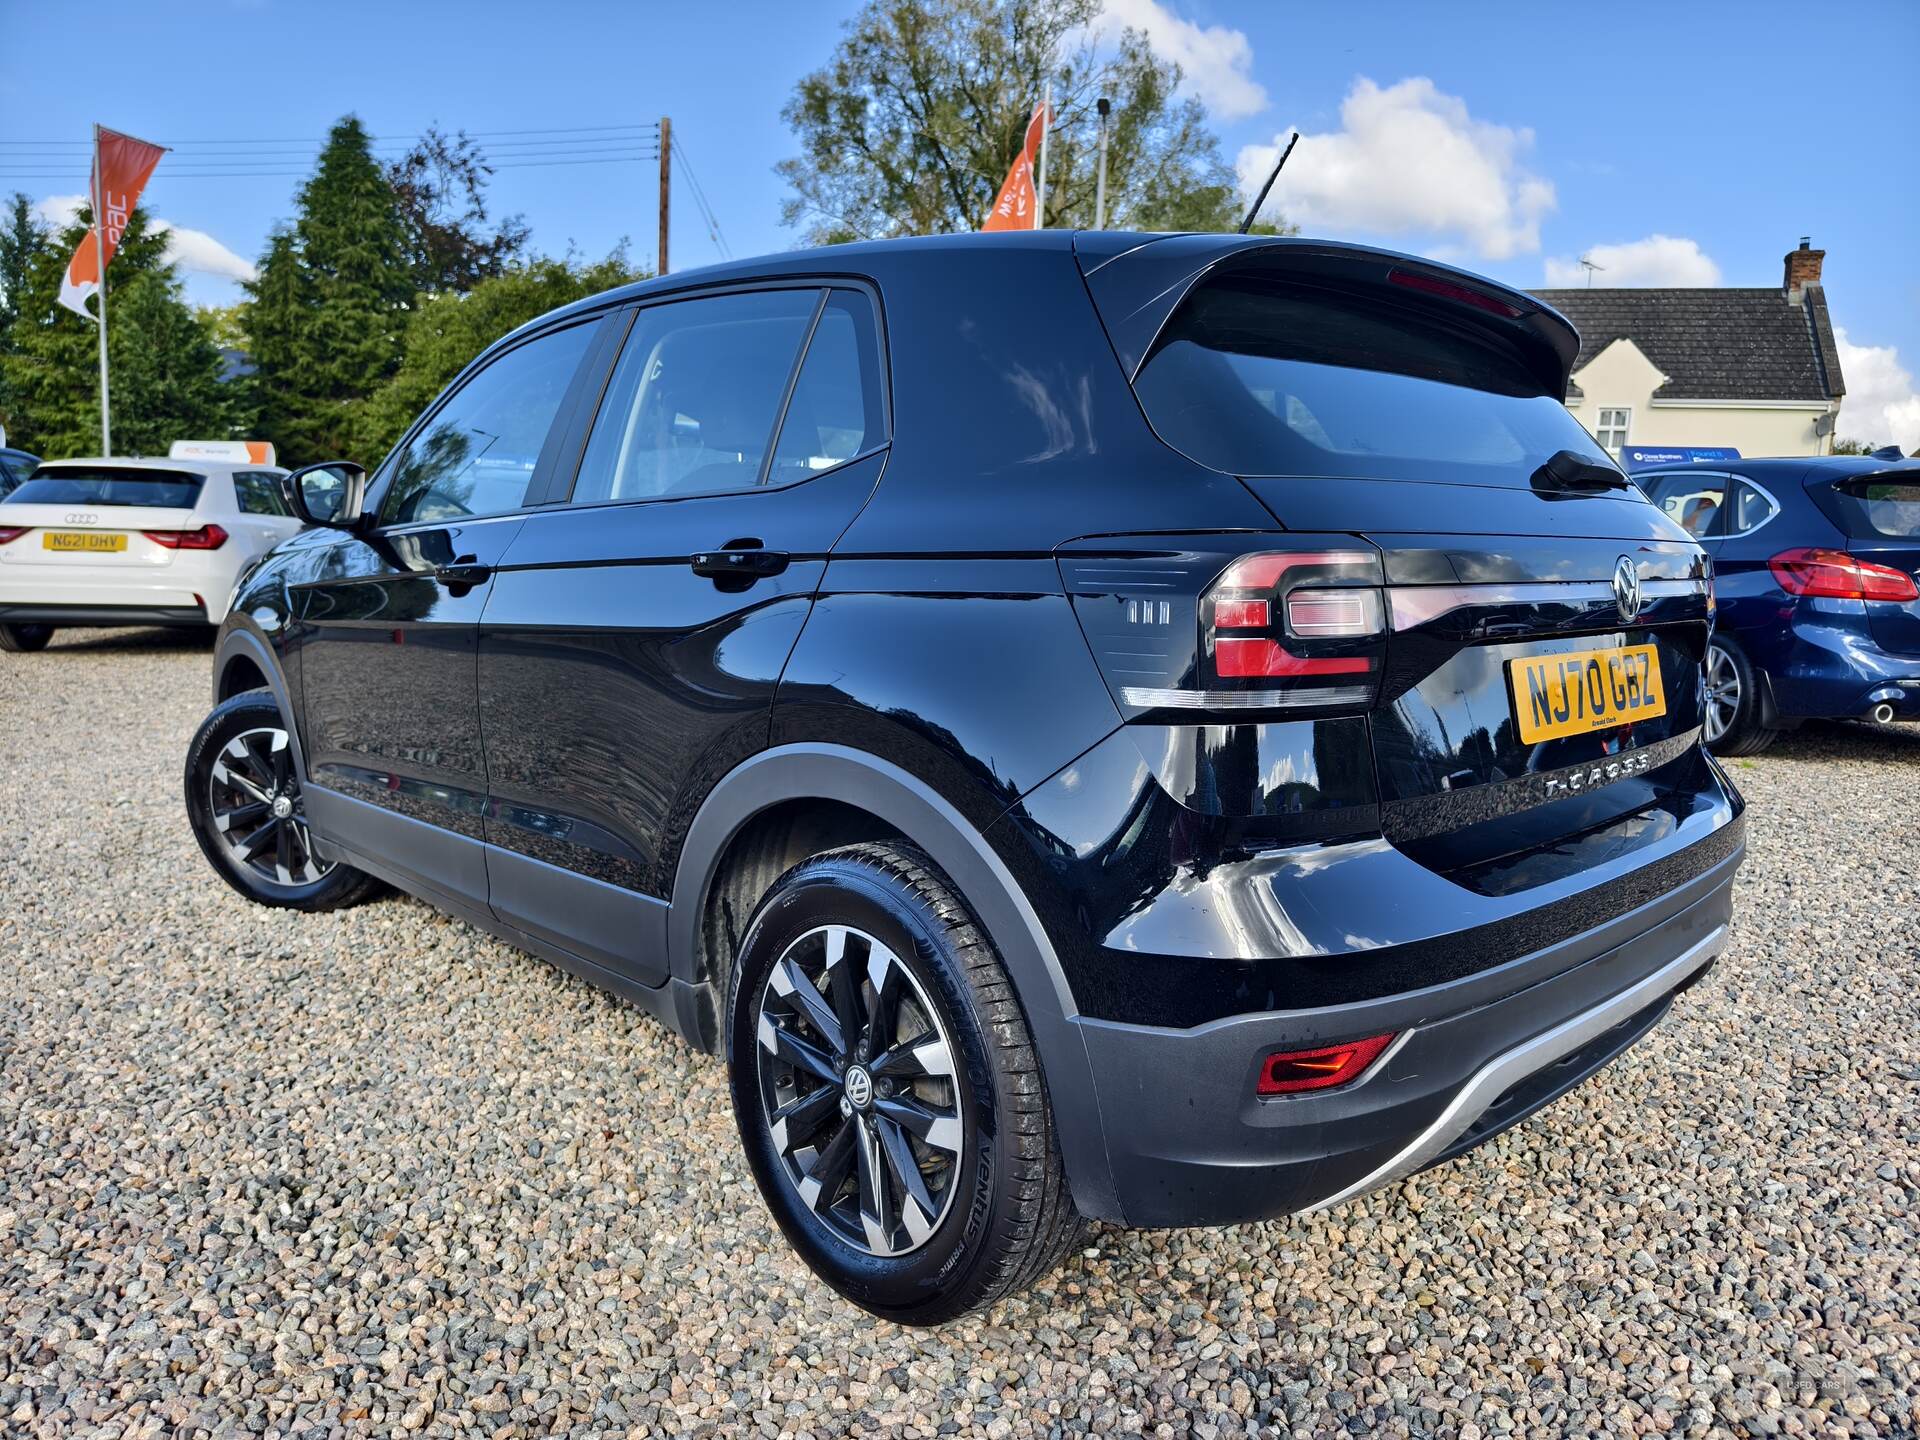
[
  {"x": 911, "y": 127},
  {"x": 441, "y": 184},
  {"x": 164, "y": 365},
  {"x": 330, "y": 303},
  {"x": 449, "y": 330},
  {"x": 21, "y": 241}
]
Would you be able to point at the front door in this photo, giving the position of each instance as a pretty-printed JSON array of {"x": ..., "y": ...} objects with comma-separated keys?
[
  {"x": 630, "y": 650},
  {"x": 389, "y": 624}
]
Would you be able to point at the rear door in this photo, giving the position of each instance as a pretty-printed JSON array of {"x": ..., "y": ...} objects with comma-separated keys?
[
  {"x": 390, "y": 619},
  {"x": 629, "y": 652},
  {"x": 1544, "y": 625}
]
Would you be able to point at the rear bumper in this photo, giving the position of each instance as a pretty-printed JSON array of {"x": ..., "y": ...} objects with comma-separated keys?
[
  {"x": 1190, "y": 1143},
  {"x": 1824, "y": 669},
  {"x": 59, "y": 614}
]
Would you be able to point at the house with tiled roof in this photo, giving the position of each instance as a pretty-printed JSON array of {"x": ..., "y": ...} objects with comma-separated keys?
[{"x": 1753, "y": 369}]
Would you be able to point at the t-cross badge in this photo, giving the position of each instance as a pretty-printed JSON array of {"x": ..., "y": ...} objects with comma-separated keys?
[{"x": 1170, "y": 730}]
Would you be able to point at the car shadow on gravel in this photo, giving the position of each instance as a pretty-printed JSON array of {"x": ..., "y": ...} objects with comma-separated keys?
[
  {"x": 157, "y": 640},
  {"x": 1843, "y": 740}
]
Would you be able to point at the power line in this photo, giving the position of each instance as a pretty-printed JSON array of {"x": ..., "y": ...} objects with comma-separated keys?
[
  {"x": 321, "y": 140},
  {"x": 700, "y": 199}
]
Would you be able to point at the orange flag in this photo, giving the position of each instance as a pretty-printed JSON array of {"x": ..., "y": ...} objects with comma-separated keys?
[
  {"x": 122, "y": 166},
  {"x": 1014, "y": 209}
]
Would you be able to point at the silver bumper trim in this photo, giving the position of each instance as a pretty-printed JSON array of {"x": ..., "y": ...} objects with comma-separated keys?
[{"x": 1504, "y": 1071}]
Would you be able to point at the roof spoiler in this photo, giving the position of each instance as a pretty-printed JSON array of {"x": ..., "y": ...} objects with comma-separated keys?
[{"x": 1137, "y": 281}]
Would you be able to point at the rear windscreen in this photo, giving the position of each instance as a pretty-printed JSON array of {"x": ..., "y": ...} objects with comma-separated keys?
[
  {"x": 1877, "y": 506},
  {"x": 1261, "y": 377},
  {"x": 163, "y": 489}
]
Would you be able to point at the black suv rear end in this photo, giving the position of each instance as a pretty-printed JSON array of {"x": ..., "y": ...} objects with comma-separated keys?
[{"x": 1169, "y": 730}]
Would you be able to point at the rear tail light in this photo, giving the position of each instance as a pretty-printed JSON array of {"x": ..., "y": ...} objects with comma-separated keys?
[
  {"x": 1288, "y": 1072},
  {"x": 1453, "y": 290},
  {"x": 10, "y": 533},
  {"x": 207, "y": 537},
  {"x": 1834, "y": 574},
  {"x": 1203, "y": 626}
]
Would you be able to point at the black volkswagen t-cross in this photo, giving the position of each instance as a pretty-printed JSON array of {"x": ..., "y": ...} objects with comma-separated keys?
[{"x": 1172, "y": 730}]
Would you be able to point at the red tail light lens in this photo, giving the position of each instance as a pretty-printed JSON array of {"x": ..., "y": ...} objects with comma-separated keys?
[
  {"x": 1450, "y": 290},
  {"x": 1288, "y": 1072},
  {"x": 1331, "y": 618},
  {"x": 207, "y": 537},
  {"x": 10, "y": 533},
  {"x": 1837, "y": 575}
]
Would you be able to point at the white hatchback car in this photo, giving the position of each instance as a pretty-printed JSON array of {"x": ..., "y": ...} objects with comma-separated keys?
[{"x": 132, "y": 542}]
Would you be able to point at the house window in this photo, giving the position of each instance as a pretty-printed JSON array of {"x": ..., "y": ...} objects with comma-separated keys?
[{"x": 1611, "y": 432}]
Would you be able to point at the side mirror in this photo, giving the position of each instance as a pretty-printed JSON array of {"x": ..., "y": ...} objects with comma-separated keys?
[{"x": 332, "y": 494}]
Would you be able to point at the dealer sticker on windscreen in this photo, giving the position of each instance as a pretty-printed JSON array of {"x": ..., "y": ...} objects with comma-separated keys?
[{"x": 1579, "y": 691}]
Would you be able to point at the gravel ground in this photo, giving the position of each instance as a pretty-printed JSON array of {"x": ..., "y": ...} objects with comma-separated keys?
[{"x": 372, "y": 1172}]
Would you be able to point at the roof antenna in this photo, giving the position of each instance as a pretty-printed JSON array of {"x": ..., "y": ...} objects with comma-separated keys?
[
  {"x": 1247, "y": 224},
  {"x": 1590, "y": 267}
]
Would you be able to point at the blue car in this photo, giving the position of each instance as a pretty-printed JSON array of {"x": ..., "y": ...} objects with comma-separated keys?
[{"x": 1819, "y": 610}]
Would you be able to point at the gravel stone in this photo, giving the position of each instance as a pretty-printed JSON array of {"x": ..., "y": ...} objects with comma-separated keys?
[{"x": 373, "y": 1173}]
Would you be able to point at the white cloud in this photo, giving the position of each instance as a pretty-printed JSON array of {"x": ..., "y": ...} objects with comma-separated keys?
[
  {"x": 1216, "y": 62},
  {"x": 1658, "y": 260},
  {"x": 1409, "y": 159},
  {"x": 194, "y": 251},
  {"x": 1881, "y": 406}
]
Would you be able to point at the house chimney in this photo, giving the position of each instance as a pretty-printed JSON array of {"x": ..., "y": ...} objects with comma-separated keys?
[{"x": 1803, "y": 269}]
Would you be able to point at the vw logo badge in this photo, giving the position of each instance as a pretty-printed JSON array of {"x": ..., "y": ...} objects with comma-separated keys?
[
  {"x": 859, "y": 1088},
  {"x": 1626, "y": 588}
]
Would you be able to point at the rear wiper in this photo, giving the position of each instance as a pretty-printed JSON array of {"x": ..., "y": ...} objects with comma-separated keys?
[{"x": 1568, "y": 472}]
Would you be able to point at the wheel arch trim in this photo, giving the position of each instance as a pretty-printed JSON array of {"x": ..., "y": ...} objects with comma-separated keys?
[
  {"x": 236, "y": 644},
  {"x": 911, "y": 806}
]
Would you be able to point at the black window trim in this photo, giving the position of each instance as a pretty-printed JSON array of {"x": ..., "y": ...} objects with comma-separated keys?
[{"x": 826, "y": 285}]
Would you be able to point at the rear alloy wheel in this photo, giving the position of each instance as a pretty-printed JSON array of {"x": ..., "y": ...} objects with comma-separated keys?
[
  {"x": 24, "y": 639},
  {"x": 888, "y": 1092},
  {"x": 1730, "y": 704},
  {"x": 857, "y": 1090},
  {"x": 245, "y": 805}
]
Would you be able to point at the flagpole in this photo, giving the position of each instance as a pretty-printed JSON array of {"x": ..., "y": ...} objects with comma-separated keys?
[
  {"x": 100, "y": 262},
  {"x": 1040, "y": 181}
]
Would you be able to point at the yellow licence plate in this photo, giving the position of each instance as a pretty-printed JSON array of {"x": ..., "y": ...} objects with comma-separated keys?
[
  {"x": 89, "y": 540},
  {"x": 1582, "y": 690}
]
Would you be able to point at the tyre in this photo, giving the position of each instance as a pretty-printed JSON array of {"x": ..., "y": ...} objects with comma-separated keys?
[
  {"x": 24, "y": 639},
  {"x": 243, "y": 800},
  {"x": 1730, "y": 715},
  {"x": 888, "y": 1093}
]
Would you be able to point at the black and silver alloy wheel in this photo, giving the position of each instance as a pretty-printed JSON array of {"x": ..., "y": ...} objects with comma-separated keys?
[
  {"x": 1722, "y": 706},
  {"x": 245, "y": 804},
  {"x": 857, "y": 1085},
  {"x": 253, "y": 799}
]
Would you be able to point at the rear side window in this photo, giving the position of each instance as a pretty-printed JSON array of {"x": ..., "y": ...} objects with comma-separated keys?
[
  {"x": 477, "y": 455},
  {"x": 692, "y": 404},
  {"x": 258, "y": 492},
  {"x": 835, "y": 413},
  {"x": 1260, "y": 377},
  {"x": 105, "y": 485},
  {"x": 1880, "y": 507},
  {"x": 1694, "y": 500}
]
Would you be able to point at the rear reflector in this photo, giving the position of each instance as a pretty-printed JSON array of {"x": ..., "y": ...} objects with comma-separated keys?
[
  {"x": 8, "y": 533},
  {"x": 1836, "y": 575},
  {"x": 1287, "y": 1072},
  {"x": 207, "y": 537}
]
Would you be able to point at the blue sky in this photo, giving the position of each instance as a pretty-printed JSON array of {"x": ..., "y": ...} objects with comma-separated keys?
[{"x": 1674, "y": 142}]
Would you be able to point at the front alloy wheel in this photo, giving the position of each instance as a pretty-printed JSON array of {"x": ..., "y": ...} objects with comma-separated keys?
[
  {"x": 253, "y": 800},
  {"x": 856, "y": 1078}
]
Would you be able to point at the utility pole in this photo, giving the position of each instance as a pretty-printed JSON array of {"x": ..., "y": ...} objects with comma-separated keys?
[
  {"x": 100, "y": 260},
  {"x": 666, "y": 184},
  {"x": 1105, "y": 106}
]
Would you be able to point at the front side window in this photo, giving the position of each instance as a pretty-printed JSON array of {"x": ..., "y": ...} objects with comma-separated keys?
[
  {"x": 477, "y": 455},
  {"x": 692, "y": 403},
  {"x": 1691, "y": 500},
  {"x": 259, "y": 492},
  {"x": 1612, "y": 429}
]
